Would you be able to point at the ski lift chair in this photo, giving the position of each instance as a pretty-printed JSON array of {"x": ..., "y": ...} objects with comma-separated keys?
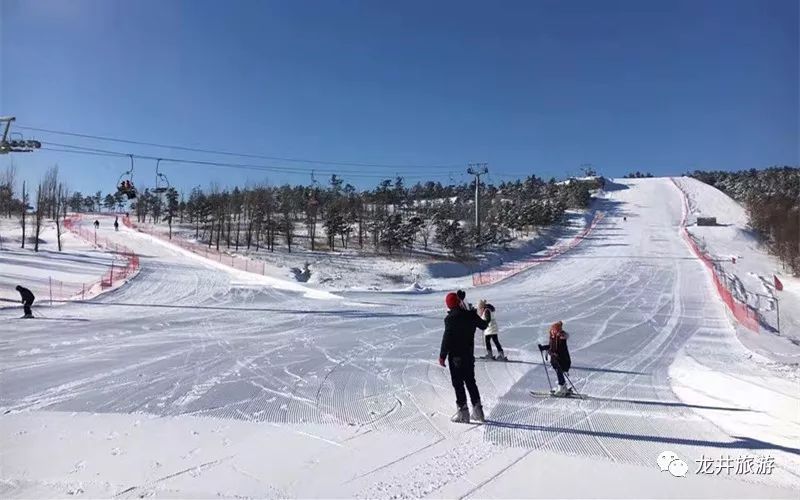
[
  {"x": 162, "y": 183},
  {"x": 125, "y": 183}
]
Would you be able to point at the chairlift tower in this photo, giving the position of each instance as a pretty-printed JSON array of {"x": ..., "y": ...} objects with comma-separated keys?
[
  {"x": 478, "y": 169},
  {"x": 15, "y": 146}
]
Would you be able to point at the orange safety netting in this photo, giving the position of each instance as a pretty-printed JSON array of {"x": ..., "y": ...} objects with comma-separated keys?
[
  {"x": 124, "y": 264},
  {"x": 743, "y": 313},
  {"x": 512, "y": 268}
]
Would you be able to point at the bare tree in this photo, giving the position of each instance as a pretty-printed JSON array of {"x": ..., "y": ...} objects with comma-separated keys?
[
  {"x": 311, "y": 217},
  {"x": 24, "y": 211},
  {"x": 287, "y": 222},
  {"x": 7, "y": 181},
  {"x": 49, "y": 188},
  {"x": 40, "y": 209},
  {"x": 61, "y": 203}
]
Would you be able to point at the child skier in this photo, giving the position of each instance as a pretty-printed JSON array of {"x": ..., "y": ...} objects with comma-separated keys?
[
  {"x": 462, "y": 297},
  {"x": 486, "y": 312},
  {"x": 559, "y": 356}
]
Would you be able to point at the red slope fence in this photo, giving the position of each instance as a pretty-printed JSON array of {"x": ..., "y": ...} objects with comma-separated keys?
[
  {"x": 124, "y": 264},
  {"x": 743, "y": 313},
  {"x": 223, "y": 257},
  {"x": 513, "y": 268}
]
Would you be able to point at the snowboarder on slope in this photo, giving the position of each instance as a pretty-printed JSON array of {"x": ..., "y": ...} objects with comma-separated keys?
[
  {"x": 486, "y": 312},
  {"x": 458, "y": 347},
  {"x": 559, "y": 356},
  {"x": 27, "y": 300}
]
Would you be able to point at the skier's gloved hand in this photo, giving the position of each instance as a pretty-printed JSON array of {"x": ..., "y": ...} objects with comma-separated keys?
[
  {"x": 441, "y": 361},
  {"x": 543, "y": 347}
]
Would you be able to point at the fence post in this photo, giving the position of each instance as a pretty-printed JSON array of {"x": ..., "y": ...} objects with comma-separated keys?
[
  {"x": 111, "y": 275},
  {"x": 51, "y": 290},
  {"x": 83, "y": 291}
]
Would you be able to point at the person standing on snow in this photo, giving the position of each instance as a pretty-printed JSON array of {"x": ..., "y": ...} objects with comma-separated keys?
[
  {"x": 27, "y": 300},
  {"x": 486, "y": 312},
  {"x": 458, "y": 347},
  {"x": 116, "y": 223},
  {"x": 559, "y": 356}
]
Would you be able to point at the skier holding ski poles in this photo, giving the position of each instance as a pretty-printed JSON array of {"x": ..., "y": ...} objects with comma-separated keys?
[
  {"x": 458, "y": 347},
  {"x": 559, "y": 356}
]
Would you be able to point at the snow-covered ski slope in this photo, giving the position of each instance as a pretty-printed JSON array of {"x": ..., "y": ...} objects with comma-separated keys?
[
  {"x": 753, "y": 270},
  {"x": 65, "y": 273},
  {"x": 192, "y": 381}
]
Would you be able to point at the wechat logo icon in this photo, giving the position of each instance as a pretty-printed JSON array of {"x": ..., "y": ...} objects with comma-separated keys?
[{"x": 669, "y": 461}]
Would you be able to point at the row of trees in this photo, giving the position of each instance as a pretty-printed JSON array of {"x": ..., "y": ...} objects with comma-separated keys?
[
  {"x": 390, "y": 218},
  {"x": 50, "y": 202},
  {"x": 772, "y": 199}
]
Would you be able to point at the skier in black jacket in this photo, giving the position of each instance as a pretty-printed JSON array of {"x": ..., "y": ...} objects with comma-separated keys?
[
  {"x": 458, "y": 347},
  {"x": 27, "y": 300},
  {"x": 560, "y": 359}
]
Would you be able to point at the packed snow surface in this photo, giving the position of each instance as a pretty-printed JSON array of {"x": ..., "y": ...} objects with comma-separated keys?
[{"x": 193, "y": 380}]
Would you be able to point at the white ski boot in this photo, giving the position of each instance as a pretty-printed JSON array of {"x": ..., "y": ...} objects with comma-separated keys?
[
  {"x": 477, "y": 413},
  {"x": 461, "y": 416},
  {"x": 561, "y": 391},
  {"x": 489, "y": 355},
  {"x": 501, "y": 356}
]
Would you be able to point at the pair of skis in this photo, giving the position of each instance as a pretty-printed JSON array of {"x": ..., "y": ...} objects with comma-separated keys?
[
  {"x": 572, "y": 392},
  {"x": 552, "y": 394}
]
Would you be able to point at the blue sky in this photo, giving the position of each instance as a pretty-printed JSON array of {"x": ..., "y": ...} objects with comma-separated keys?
[{"x": 424, "y": 87}]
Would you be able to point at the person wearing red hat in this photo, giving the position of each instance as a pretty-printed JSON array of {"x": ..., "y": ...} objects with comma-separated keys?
[{"x": 458, "y": 348}]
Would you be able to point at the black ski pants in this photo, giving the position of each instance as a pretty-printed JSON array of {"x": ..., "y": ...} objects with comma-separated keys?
[
  {"x": 489, "y": 340},
  {"x": 559, "y": 373},
  {"x": 26, "y": 306},
  {"x": 462, "y": 373}
]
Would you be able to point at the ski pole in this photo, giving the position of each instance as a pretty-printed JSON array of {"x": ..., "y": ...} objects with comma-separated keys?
[
  {"x": 572, "y": 385},
  {"x": 550, "y": 384}
]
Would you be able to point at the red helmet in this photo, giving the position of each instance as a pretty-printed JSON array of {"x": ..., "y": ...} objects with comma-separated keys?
[{"x": 452, "y": 301}]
